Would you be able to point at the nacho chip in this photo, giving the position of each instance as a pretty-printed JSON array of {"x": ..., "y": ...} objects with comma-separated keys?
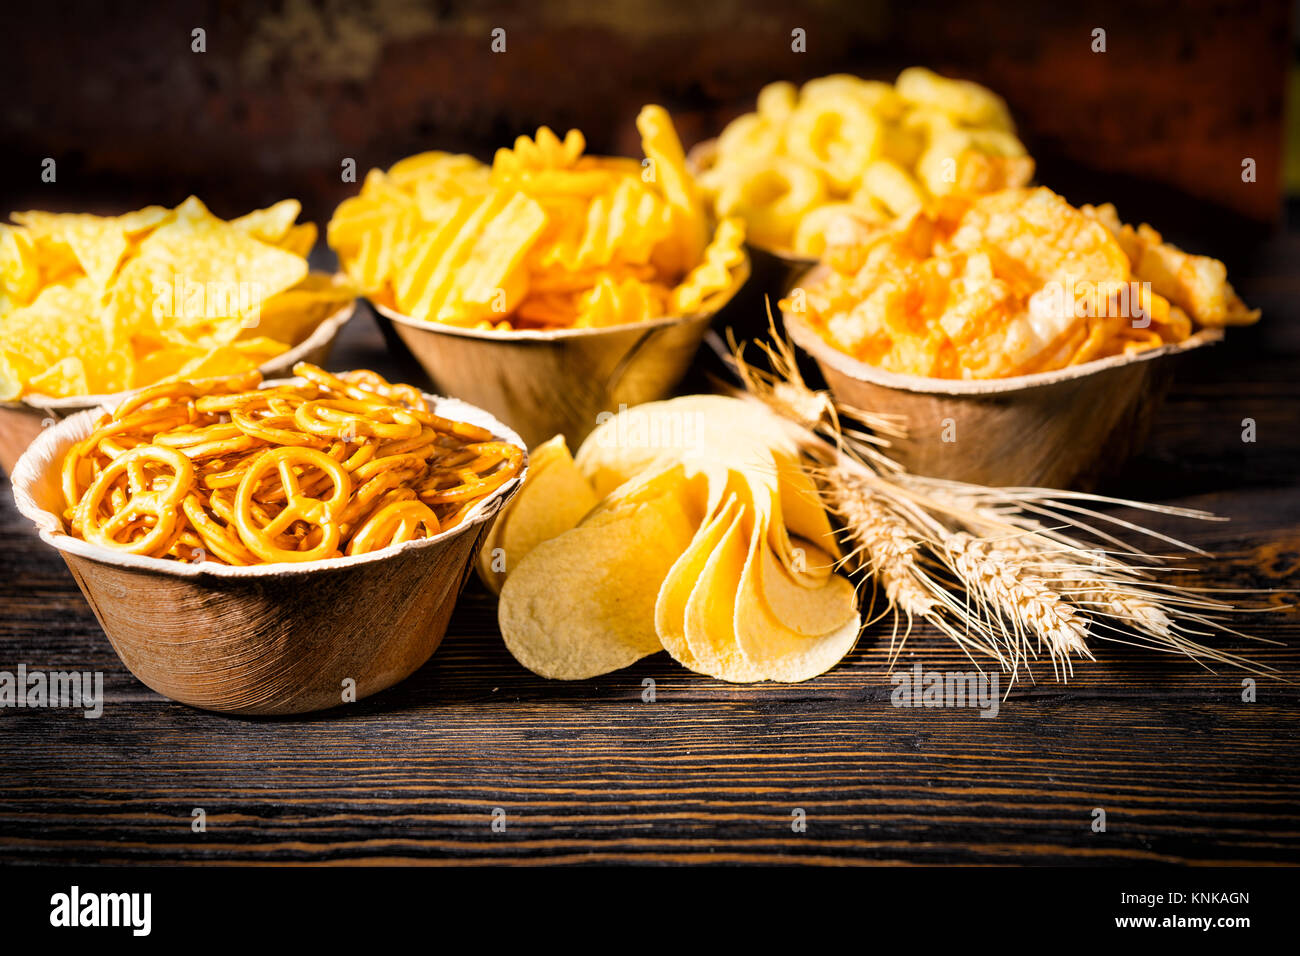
[
  {"x": 271, "y": 224},
  {"x": 144, "y": 296}
]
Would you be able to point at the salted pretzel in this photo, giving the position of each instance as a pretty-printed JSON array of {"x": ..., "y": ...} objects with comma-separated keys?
[
  {"x": 350, "y": 419},
  {"x": 227, "y": 471},
  {"x": 265, "y": 539},
  {"x": 394, "y": 523},
  {"x": 144, "y": 516}
]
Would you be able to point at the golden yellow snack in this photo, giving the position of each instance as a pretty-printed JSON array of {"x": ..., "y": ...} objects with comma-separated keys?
[
  {"x": 839, "y": 140},
  {"x": 101, "y": 304},
  {"x": 1008, "y": 283},
  {"x": 690, "y": 548},
  {"x": 545, "y": 237},
  {"x": 222, "y": 470},
  {"x": 558, "y": 498}
]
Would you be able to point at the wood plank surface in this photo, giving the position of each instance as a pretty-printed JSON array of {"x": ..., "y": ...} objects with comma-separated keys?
[{"x": 590, "y": 772}]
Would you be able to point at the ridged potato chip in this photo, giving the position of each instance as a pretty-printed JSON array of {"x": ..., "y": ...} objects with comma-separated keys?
[{"x": 545, "y": 237}]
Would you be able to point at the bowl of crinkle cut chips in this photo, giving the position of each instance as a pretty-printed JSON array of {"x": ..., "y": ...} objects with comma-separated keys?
[
  {"x": 1023, "y": 338},
  {"x": 550, "y": 285}
]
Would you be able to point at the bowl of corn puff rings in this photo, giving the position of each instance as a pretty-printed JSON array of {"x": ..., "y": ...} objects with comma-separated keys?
[
  {"x": 840, "y": 151},
  {"x": 1026, "y": 340},
  {"x": 550, "y": 285},
  {"x": 271, "y": 547}
]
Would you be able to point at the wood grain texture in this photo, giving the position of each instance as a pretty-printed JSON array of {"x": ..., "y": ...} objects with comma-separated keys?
[{"x": 589, "y": 773}]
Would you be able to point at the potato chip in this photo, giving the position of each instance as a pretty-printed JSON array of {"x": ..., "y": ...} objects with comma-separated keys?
[
  {"x": 710, "y": 623},
  {"x": 722, "y": 439},
  {"x": 728, "y": 468},
  {"x": 675, "y": 592},
  {"x": 546, "y": 237},
  {"x": 804, "y": 609},
  {"x": 557, "y": 499},
  {"x": 787, "y": 654},
  {"x": 582, "y": 604},
  {"x": 804, "y": 513}
]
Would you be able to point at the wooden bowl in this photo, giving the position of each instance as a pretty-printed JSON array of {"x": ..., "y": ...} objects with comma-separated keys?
[
  {"x": 270, "y": 639},
  {"x": 22, "y": 421},
  {"x": 554, "y": 382},
  {"x": 1059, "y": 429}
]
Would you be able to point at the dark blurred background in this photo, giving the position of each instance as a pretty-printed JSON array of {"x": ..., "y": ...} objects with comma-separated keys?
[{"x": 1159, "y": 123}]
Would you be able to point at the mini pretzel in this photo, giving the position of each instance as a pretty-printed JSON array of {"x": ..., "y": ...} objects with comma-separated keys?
[
  {"x": 362, "y": 385},
  {"x": 221, "y": 470},
  {"x": 215, "y": 536},
  {"x": 351, "y": 419},
  {"x": 166, "y": 392},
  {"x": 143, "y": 501},
  {"x": 368, "y": 381},
  {"x": 395, "y": 523},
  {"x": 264, "y": 540},
  {"x": 494, "y": 464},
  {"x": 273, "y": 429}
]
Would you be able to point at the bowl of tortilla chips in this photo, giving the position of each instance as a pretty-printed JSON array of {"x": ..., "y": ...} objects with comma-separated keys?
[{"x": 93, "y": 307}]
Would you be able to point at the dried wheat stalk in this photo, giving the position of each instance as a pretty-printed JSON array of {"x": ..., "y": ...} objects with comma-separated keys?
[{"x": 1009, "y": 573}]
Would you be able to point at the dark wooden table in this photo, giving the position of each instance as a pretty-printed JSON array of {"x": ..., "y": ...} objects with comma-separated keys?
[{"x": 709, "y": 772}]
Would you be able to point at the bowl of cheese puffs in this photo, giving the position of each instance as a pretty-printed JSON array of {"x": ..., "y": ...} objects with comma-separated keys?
[{"x": 1026, "y": 341}]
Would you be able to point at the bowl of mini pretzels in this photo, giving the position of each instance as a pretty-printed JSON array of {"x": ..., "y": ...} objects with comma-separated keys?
[{"x": 275, "y": 547}]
